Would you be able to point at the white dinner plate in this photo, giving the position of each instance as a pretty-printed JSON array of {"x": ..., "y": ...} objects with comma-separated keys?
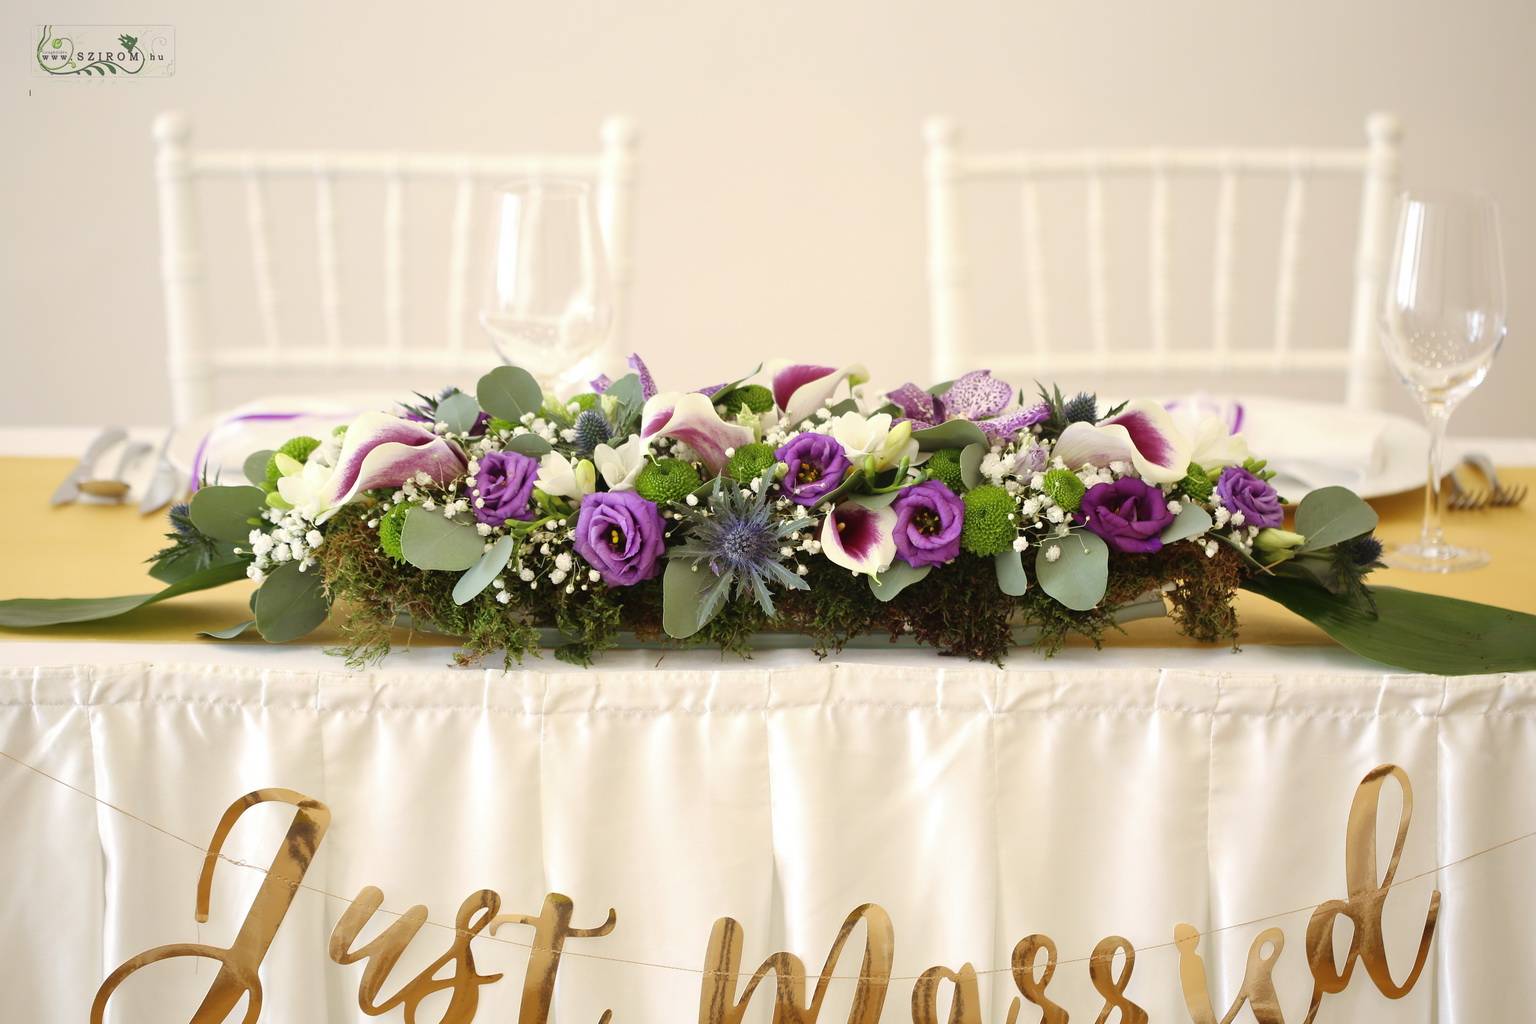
[
  {"x": 1315, "y": 444},
  {"x": 217, "y": 445}
]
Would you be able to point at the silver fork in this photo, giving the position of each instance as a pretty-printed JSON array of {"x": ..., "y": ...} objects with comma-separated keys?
[
  {"x": 1498, "y": 494},
  {"x": 1463, "y": 500}
]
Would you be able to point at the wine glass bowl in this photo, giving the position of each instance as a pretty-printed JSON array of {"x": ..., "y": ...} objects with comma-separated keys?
[
  {"x": 548, "y": 299},
  {"x": 1442, "y": 322}
]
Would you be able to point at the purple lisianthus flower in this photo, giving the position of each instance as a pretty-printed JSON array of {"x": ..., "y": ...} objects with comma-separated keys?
[
  {"x": 619, "y": 534},
  {"x": 817, "y": 464},
  {"x": 1241, "y": 491},
  {"x": 502, "y": 487},
  {"x": 1129, "y": 514},
  {"x": 928, "y": 521}
]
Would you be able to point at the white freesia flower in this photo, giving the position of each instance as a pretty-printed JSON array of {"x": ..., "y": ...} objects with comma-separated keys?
[
  {"x": 562, "y": 478},
  {"x": 862, "y": 436},
  {"x": 621, "y": 466},
  {"x": 1215, "y": 447}
]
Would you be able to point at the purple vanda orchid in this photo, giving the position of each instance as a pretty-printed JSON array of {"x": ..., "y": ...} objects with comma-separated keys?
[
  {"x": 379, "y": 450},
  {"x": 1143, "y": 434},
  {"x": 692, "y": 419},
  {"x": 859, "y": 537},
  {"x": 978, "y": 397},
  {"x": 799, "y": 389}
]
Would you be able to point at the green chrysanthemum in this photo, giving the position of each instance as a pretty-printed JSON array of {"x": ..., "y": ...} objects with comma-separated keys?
[
  {"x": 736, "y": 537},
  {"x": 751, "y": 461},
  {"x": 390, "y": 527},
  {"x": 989, "y": 526},
  {"x": 1065, "y": 488},
  {"x": 1197, "y": 483},
  {"x": 667, "y": 480},
  {"x": 297, "y": 448},
  {"x": 754, "y": 396},
  {"x": 944, "y": 466}
]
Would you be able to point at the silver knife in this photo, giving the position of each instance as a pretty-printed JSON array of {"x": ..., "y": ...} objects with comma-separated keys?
[
  {"x": 164, "y": 484},
  {"x": 69, "y": 490}
]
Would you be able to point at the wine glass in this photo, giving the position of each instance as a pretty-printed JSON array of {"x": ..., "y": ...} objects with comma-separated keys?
[
  {"x": 548, "y": 299},
  {"x": 1442, "y": 321}
]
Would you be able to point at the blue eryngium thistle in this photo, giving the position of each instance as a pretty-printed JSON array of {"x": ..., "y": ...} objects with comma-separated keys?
[
  {"x": 738, "y": 537},
  {"x": 592, "y": 429}
]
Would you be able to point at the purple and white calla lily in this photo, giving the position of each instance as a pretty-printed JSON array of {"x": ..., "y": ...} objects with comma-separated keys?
[
  {"x": 379, "y": 450},
  {"x": 859, "y": 536},
  {"x": 799, "y": 389},
  {"x": 692, "y": 419},
  {"x": 1142, "y": 434}
]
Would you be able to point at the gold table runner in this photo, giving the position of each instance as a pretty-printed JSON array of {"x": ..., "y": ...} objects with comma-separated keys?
[{"x": 100, "y": 551}]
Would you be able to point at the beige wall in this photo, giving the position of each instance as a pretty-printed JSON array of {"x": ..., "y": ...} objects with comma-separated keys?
[{"x": 780, "y": 209}]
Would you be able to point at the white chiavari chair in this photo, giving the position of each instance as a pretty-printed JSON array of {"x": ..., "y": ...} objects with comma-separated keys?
[
  {"x": 1131, "y": 215},
  {"x": 357, "y": 266}
]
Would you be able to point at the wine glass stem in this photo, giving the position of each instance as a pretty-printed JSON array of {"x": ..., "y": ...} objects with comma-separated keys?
[{"x": 1439, "y": 415}]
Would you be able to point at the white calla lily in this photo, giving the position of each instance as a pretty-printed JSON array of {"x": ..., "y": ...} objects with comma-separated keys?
[{"x": 1143, "y": 434}]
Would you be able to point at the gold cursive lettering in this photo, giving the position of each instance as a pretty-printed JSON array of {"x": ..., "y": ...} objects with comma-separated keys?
[
  {"x": 1032, "y": 986},
  {"x": 550, "y": 930},
  {"x": 722, "y": 971},
  {"x": 964, "y": 1006},
  {"x": 1109, "y": 986},
  {"x": 1363, "y": 907},
  {"x": 240, "y": 961},
  {"x": 383, "y": 952},
  {"x": 1258, "y": 988}
]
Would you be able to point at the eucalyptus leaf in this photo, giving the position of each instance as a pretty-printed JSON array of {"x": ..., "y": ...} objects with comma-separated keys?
[
  {"x": 846, "y": 405},
  {"x": 290, "y": 603},
  {"x": 954, "y": 434},
  {"x": 1191, "y": 521},
  {"x": 255, "y": 467},
  {"x": 682, "y": 589},
  {"x": 507, "y": 392},
  {"x": 1079, "y": 575},
  {"x": 459, "y": 412},
  {"x": 1411, "y": 630},
  {"x": 480, "y": 575},
  {"x": 970, "y": 464},
  {"x": 1331, "y": 514},
  {"x": 24, "y": 612},
  {"x": 228, "y": 633},
  {"x": 529, "y": 444},
  {"x": 627, "y": 390},
  {"x": 225, "y": 513},
  {"x": 184, "y": 561},
  {"x": 430, "y": 541},
  {"x": 895, "y": 579},
  {"x": 1011, "y": 577}
]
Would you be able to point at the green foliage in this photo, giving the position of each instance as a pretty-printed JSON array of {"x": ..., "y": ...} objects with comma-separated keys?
[
  {"x": 754, "y": 397},
  {"x": 1197, "y": 483},
  {"x": 667, "y": 480},
  {"x": 989, "y": 521}
]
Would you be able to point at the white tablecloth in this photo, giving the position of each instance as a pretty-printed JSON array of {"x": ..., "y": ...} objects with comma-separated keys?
[{"x": 976, "y": 806}]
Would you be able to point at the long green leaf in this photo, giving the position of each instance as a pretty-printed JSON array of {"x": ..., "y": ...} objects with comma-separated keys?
[
  {"x": 1412, "y": 630},
  {"x": 25, "y": 612},
  {"x": 290, "y": 603},
  {"x": 224, "y": 513}
]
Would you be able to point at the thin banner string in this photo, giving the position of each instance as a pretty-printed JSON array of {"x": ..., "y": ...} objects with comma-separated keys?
[{"x": 698, "y": 971}]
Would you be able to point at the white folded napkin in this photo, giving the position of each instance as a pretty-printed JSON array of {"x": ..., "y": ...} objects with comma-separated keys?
[{"x": 1311, "y": 444}]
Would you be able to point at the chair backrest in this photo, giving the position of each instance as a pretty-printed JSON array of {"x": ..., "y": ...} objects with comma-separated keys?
[
  {"x": 357, "y": 265},
  {"x": 1162, "y": 185}
]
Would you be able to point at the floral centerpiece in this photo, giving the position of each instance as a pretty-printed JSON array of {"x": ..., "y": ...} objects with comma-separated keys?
[{"x": 785, "y": 501}]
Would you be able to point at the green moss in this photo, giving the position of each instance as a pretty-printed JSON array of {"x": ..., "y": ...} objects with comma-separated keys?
[
  {"x": 667, "y": 480},
  {"x": 989, "y": 525}
]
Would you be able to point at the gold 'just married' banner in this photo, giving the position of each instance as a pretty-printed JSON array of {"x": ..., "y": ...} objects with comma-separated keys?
[{"x": 724, "y": 998}]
